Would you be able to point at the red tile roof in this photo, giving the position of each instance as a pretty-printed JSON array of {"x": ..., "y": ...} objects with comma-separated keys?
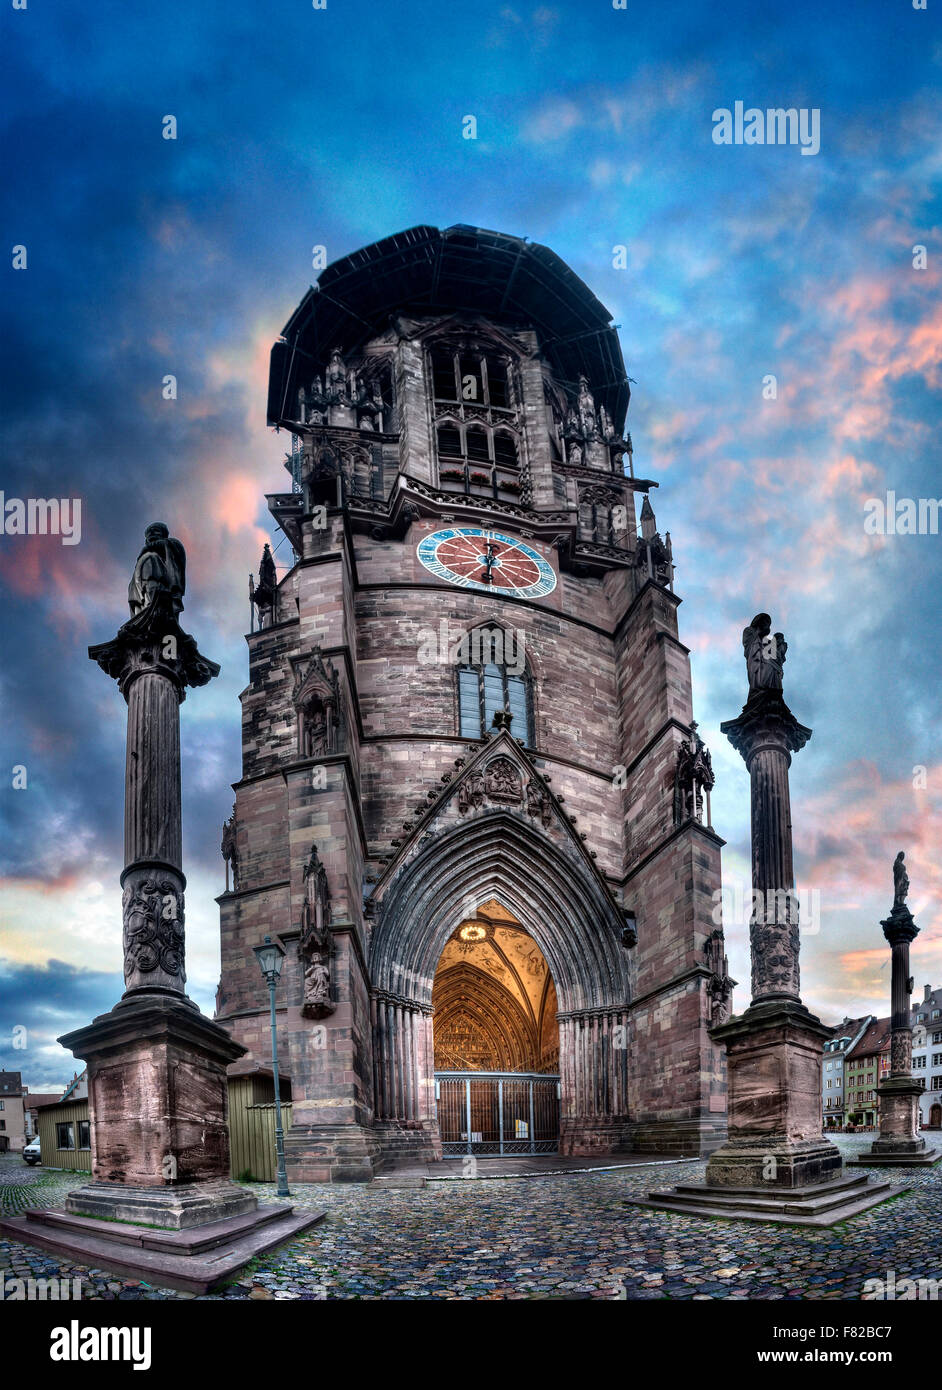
[{"x": 876, "y": 1039}]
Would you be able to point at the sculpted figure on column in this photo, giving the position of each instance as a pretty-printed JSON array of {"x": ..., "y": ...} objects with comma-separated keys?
[
  {"x": 764, "y": 653},
  {"x": 900, "y": 880},
  {"x": 160, "y": 568}
]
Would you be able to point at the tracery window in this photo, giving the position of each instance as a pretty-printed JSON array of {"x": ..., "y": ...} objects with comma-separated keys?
[
  {"x": 477, "y": 426},
  {"x": 487, "y": 685}
]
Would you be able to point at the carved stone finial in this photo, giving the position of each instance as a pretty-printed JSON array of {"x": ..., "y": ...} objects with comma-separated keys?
[{"x": 693, "y": 779}]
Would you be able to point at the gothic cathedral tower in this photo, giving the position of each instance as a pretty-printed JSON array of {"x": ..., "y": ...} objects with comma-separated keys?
[{"x": 473, "y": 806}]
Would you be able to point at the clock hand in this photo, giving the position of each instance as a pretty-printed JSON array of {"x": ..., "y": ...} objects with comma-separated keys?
[{"x": 490, "y": 556}]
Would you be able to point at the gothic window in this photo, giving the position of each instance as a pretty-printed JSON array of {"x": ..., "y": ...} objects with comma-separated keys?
[
  {"x": 470, "y": 375},
  {"x": 498, "y": 393},
  {"x": 444, "y": 377},
  {"x": 477, "y": 444},
  {"x": 487, "y": 686},
  {"x": 505, "y": 449},
  {"x": 449, "y": 442},
  {"x": 476, "y": 419}
]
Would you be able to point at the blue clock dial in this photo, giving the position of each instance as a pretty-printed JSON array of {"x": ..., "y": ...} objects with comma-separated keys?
[{"x": 474, "y": 558}]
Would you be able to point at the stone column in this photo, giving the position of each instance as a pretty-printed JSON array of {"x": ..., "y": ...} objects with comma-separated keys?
[
  {"x": 776, "y": 1164},
  {"x": 157, "y": 1086},
  {"x": 774, "y": 1049},
  {"x": 899, "y": 1143}
]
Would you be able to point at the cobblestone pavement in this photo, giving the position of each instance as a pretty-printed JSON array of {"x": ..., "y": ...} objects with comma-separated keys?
[{"x": 560, "y": 1236}]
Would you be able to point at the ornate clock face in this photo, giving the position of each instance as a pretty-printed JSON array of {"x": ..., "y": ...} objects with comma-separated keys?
[{"x": 488, "y": 561}]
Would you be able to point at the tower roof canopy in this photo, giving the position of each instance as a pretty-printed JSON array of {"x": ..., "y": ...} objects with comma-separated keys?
[{"x": 425, "y": 271}]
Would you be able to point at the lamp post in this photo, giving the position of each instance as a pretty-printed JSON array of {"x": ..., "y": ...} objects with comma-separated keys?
[{"x": 270, "y": 958}]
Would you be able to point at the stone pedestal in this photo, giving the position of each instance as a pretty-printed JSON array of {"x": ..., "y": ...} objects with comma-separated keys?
[
  {"x": 774, "y": 1067},
  {"x": 158, "y": 1104}
]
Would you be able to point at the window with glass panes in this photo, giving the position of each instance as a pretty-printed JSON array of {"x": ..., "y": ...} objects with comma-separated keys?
[{"x": 482, "y": 690}]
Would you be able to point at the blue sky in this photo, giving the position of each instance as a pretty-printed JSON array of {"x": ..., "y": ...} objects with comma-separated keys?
[{"x": 299, "y": 127}]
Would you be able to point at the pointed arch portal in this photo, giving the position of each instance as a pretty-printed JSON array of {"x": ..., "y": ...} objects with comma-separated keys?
[{"x": 496, "y": 951}]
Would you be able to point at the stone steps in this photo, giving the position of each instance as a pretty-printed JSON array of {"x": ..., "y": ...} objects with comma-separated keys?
[
  {"x": 918, "y": 1160},
  {"x": 808, "y": 1201},
  {"x": 825, "y": 1205},
  {"x": 194, "y": 1240},
  {"x": 194, "y": 1260}
]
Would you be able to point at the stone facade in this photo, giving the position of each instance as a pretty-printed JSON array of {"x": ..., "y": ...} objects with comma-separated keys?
[{"x": 356, "y": 734}]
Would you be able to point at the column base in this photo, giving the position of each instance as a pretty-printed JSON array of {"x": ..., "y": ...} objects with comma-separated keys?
[
  {"x": 775, "y": 1138},
  {"x": 171, "y": 1208},
  {"x": 771, "y": 1165},
  {"x": 924, "y": 1158},
  {"x": 899, "y": 1144},
  {"x": 157, "y": 1096}
]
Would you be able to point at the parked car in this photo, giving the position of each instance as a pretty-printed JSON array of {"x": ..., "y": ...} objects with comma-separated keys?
[{"x": 31, "y": 1152}]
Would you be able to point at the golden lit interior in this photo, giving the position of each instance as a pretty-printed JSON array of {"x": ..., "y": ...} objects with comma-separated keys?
[{"x": 494, "y": 998}]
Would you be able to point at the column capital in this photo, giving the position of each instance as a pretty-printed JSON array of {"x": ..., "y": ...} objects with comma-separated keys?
[
  {"x": 900, "y": 927},
  {"x": 153, "y": 643},
  {"x": 765, "y": 722}
]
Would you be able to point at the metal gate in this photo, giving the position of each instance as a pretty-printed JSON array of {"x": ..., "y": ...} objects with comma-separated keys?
[{"x": 497, "y": 1112}]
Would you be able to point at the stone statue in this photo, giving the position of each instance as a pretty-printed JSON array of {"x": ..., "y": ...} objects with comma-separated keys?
[
  {"x": 539, "y": 804},
  {"x": 764, "y": 653},
  {"x": 230, "y": 851},
  {"x": 900, "y": 881},
  {"x": 336, "y": 378},
  {"x": 720, "y": 985},
  {"x": 471, "y": 791},
  {"x": 317, "y": 1002},
  {"x": 586, "y": 409},
  {"x": 693, "y": 778},
  {"x": 160, "y": 568},
  {"x": 264, "y": 596},
  {"x": 314, "y": 945}
]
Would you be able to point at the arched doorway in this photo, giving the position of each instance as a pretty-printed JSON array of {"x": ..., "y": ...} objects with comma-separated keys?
[
  {"x": 553, "y": 895},
  {"x": 496, "y": 1039},
  {"x": 935, "y": 1116}
]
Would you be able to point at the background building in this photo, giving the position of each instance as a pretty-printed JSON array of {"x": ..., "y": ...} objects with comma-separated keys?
[
  {"x": 33, "y": 1102},
  {"x": 846, "y": 1035},
  {"x": 12, "y": 1113},
  {"x": 866, "y": 1064},
  {"x": 473, "y": 806},
  {"x": 927, "y": 1055}
]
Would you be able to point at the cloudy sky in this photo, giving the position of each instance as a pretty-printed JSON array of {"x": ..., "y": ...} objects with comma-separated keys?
[{"x": 300, "y": 127}]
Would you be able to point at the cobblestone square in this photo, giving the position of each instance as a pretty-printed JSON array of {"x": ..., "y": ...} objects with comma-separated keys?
[{"x": 563, "y": 1236}]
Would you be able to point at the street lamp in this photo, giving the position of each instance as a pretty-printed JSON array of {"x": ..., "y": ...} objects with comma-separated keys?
[{"x": 270, "y": 958}]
